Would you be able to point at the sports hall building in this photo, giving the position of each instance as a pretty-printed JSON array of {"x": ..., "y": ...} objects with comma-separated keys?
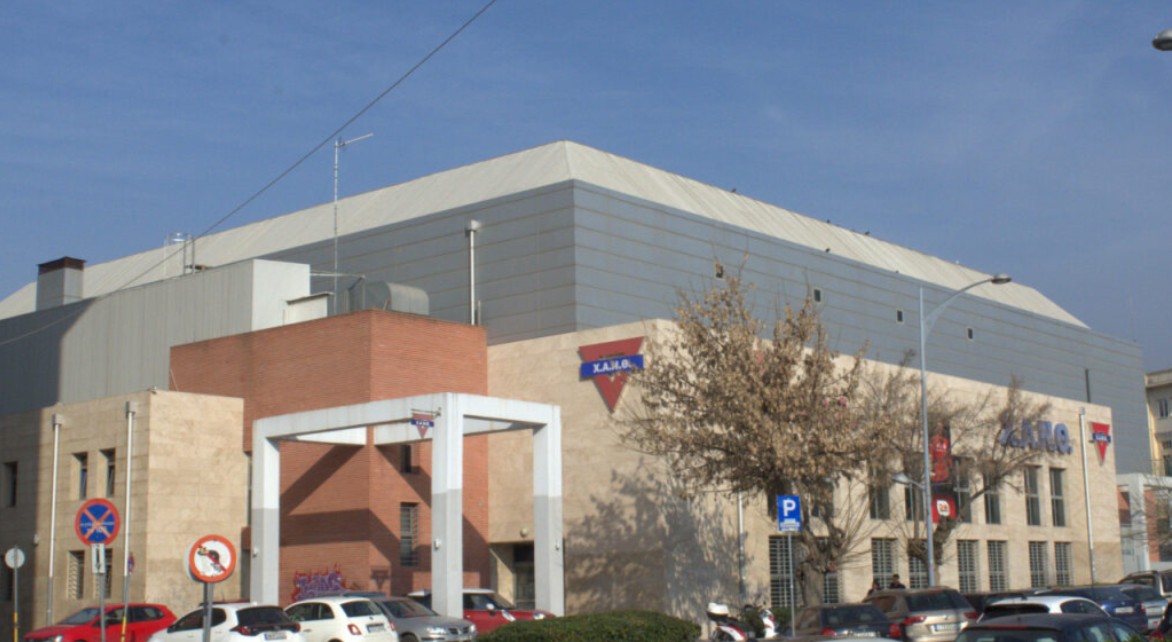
[{"x": 416, "y": 415}]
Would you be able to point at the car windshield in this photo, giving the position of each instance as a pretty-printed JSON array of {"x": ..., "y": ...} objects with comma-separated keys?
[
  {"x": 1004, "y": 609},
  {"x": 937, "y": 601},
  {"x": 84, "y": 616},
  {"x": 358, "y": 608},
  {"x": 262, "y": 615},
  {"x": 406, "y": 608},
  {"x": 485, "y": 601}
]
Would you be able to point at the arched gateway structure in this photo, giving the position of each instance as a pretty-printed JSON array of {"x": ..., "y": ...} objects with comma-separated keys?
[{"x": 456, "y": 415}]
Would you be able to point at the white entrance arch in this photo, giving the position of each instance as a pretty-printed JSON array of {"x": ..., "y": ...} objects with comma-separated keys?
[{"x": 456, "y": 415}]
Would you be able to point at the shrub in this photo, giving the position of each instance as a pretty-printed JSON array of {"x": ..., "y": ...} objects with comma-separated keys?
[{"x": 613, "y": 626}]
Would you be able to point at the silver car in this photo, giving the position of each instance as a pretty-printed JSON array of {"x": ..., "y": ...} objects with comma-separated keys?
[
  {"x": 925, "y": 615},
  {"x": 417, "y": 623}
]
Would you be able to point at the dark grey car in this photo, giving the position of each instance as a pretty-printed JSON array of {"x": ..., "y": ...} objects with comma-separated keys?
[
  {"x": 417, "y": 623},
  {"x": 844, "y": 620}
]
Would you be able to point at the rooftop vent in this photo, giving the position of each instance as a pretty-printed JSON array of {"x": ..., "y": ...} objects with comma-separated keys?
[{"x": 59, "y": 282}]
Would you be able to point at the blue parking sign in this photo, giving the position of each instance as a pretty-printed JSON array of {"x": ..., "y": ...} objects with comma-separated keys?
[{"x": 789, "y": 513}]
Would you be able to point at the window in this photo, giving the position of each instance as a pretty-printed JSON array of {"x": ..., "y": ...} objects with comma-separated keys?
[
  {"x": 883, "y": 560},
  {"x": 998, "y": 574},
  {"x": 406, "y": 459},
  {"x": 963, "y": 491},
  {"x": 75, "y": 581},
  {"x": 409, "y": 534},
  {"x": 880, "y": 496},
  {"x": 817, "y": 295},
  {"x": 81, "y": 468},
  {"x": 823, "y": 506},
  {"x": 913, "y": 503},
  {"x": 1062, "y": 564},
  {"x": 992, "y": 505},
  {"x": 831, "y": 593},
  {"x": 899, "y": 316},
  {"x": 108, "y": 459},
  {"x": 967, "y": 554},
  {"x": 1162, "y": 406},
  {"x": 1057, "y": 496},
  {"x": 1124, "y": 507},
  {"x": 1033, "y": 497},
  {"x": 917, "y": 569},
  {"x": 780, "y": 556},
  {"x": 1039, "y": 566},
  {"x": 106, "y": 581},
  {"x": 9, "y": 487},
  {"x": 970, "y": 333}
]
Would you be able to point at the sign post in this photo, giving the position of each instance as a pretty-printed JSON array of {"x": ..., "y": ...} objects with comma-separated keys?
[
  {"x": 14, "y": 558},
  {"x": 211, "y": 559},
  {"x": 789, "y": 521},
  {"x": 97, "y": 524}
]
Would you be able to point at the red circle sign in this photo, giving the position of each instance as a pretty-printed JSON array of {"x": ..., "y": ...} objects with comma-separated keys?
[
  {"x": 97, "y": 522},
  {"x": 212, "y": 558}
]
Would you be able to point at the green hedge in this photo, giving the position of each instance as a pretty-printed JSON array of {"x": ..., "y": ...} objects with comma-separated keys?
[{"x": 614, "y": 626}]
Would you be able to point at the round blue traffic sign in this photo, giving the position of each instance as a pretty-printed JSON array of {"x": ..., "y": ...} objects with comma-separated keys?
[{"x": 97, "y": 522}]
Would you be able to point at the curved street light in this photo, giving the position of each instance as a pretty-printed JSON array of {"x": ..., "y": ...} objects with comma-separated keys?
[
  {"x": 926, "y": 323},
  {"x": 1163, "y": 40}
]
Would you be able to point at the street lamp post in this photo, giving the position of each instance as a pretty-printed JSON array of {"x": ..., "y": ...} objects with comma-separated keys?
[
  {"x": 926, "y": 322},
  {"x": 1163, "y": 40}
]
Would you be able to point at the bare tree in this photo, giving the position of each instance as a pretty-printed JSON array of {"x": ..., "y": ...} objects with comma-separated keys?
[{"x": 738, "y": 405}]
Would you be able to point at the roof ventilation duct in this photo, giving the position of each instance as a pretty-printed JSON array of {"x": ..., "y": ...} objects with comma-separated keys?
[
  {"x": 380, "y": 295},
  {"x": 59, "y": 282}
]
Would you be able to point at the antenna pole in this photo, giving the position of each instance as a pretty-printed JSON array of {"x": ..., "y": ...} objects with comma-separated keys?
[{"x": 339, "y": 144}]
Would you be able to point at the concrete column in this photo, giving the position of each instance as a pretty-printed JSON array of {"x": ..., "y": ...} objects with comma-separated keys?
[
  {"x": 447, "y": 509},
  {"x": 548, "y": 560},
  {"x": 266, "y": 519}
]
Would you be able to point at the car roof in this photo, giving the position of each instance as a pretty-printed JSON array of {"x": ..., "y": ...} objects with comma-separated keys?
[
  {"x": 1040, "y": 599},
  {"x": 481, "y": 591},
  {"x": 333, "y": 599}
]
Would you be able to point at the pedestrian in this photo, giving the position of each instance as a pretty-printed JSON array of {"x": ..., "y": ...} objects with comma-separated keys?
[
  {"x": 895, "y": 583},
  {"x": 874, "y": 586}
]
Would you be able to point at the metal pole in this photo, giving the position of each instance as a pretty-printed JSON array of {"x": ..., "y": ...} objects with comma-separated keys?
[
  {"x": 339, "y": 144},
  {"x": 741, "y": 547},
  {"x": 131, "y": 409},
  {"x": 16, "y": 603},
  {"x": 207, "y": 611},
  {"x": 100, "y": 562},
  {"x": 927, "y": 489},
  {"x": 793, "y": 593},
  {"x": 53, "y": 519},
  {"x": 471, "y": 229},
  {"x": 1082, "y": 438}
]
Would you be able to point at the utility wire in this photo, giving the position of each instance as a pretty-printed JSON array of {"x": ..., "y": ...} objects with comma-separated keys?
[{"x": 328, "y": 139}]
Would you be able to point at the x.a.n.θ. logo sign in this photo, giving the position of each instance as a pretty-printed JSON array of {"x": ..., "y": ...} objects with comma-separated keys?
[{"x": 609, "y": 365}]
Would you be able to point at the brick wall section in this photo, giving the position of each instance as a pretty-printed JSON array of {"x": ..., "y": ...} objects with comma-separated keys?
[{"x": 340, "y": 504}]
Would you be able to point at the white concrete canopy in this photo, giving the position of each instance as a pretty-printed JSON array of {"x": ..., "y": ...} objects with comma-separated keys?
[{"x": 456, "y": 415}]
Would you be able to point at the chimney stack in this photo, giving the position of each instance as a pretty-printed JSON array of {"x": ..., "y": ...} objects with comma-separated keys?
[{"x": 59, "y": 282}]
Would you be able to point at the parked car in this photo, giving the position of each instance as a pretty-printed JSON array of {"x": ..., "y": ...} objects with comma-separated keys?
[
  {"x": 234, "y": 622},
  {"x": 1163, "y": 630},
  {"x": 1050, "y": 627},
  {"x": 1114, "y": 601},
  {"x": 980, "y": 600},
  {"x": 1154, "y": 603},
  {"x": 924, "y": 615},
  {"x": 1159, "y": 580},
  {"x": 1026, "y": 604},
  {"x": 415, "y": 622},
  {"x": 141, "y": 621},
  {"x": 845, "y": 620},
  {"x": 484, "y": 608},
  {"x": 341, "y": 618}
]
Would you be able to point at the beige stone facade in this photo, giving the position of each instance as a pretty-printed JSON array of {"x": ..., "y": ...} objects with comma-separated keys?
[
  {"x": 634, "y": 538},
  {"x": 188, "y": 478}
]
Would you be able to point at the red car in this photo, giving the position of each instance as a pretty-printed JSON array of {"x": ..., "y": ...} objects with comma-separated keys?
[
  {"x": 484, "y": 608},
  {"x": 142, "y": 620}
]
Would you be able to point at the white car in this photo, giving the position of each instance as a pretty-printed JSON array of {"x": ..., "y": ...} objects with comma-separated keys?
[
  {"x": 244, "y": 622},
  {"x": 1040, "y": 604},
  {"x": 338, "y": 618}
]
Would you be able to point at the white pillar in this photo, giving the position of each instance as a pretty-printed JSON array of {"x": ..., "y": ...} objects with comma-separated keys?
[
  {"x": 447, "y": 509},
  {"x": 548, "y": 560},
  {"x": 266, "y": 519}
]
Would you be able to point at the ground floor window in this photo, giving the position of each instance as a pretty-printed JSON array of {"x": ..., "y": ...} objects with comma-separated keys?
[
  {"x": 830, "y": 588},
  {"x": 883, "y": 560},
  {"x": 781, "y": 571},
  {"x": 917, "y": 570},
  {"x": 75, "y": 578},
  {"x": 1062, "y": 564},
  {"x": 409, "y": 534},
  {"x": 967, "y": 556},
  {"x": 998, "y": 573},
  {"x": 1039, "y": 566}
]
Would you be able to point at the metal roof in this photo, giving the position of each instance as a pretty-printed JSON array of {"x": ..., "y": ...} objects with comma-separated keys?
[{"x": 533, "y": 168}]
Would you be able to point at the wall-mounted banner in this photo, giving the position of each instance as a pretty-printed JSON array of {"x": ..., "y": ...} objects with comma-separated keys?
[
  {"x": 943, "y": 479},
  {"x": 609, "y": 365},
  {"x": 1101, "y": 435},
  {"x": 1053, "y": 438}
]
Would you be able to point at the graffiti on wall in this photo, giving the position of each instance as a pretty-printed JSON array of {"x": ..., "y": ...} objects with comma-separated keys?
[{"x": 315, "y": 583}]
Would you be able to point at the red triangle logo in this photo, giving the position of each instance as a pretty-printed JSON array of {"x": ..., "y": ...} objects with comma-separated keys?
[
  {"x": 611, "y": 385},
  {"x": 1101, "y": 435}
]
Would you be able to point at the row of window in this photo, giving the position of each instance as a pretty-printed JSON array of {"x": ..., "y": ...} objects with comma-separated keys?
[
  {"x": 1031, "y": 482},
  {"x": 885, "y": 564},
  {"x": 81, "y": 486},
  {"x": 969, "y": 333}
]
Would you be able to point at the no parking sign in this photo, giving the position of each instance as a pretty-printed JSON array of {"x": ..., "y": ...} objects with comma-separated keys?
[{"x": 212, "y": 558}]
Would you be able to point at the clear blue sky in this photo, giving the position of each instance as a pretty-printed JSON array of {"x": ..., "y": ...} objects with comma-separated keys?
[{"x": 1029, "y": 138}]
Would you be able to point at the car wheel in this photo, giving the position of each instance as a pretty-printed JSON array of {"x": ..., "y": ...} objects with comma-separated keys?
[{"x": 407, "y": 637}]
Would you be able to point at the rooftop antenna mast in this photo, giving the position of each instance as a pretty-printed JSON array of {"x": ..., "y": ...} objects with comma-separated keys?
[{"x": 338, "y": 145}]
